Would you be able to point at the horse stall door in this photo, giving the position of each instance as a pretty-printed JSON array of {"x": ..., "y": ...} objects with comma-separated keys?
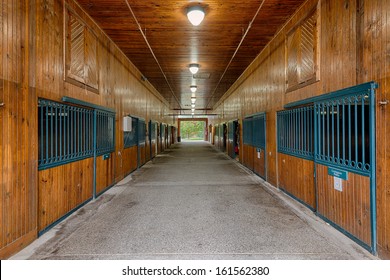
[
  {"x": 345, "y": 162},
  {"x": 259, "y": 158}
]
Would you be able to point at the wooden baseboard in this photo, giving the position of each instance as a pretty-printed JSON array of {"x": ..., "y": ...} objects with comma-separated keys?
[{"x": 18, "y": 244}]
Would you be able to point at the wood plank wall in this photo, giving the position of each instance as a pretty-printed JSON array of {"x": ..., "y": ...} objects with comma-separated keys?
[
  {"x": 18, "y": 137},
  {"x": 63, "y": 188},
  {"x": 32, "y": 67},
  {"x": 296, "y": 177},
  {"x": 353, "y": 49},
  {"x": 349, "y": 209}
]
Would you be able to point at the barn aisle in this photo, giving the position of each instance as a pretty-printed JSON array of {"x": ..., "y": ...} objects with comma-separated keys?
[{"x": 193, "y": 202}]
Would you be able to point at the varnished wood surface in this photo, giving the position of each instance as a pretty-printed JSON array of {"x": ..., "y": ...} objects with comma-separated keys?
[
  {"x": 129, "y": 160},
  {"x": 104, "y": 173},
  {"x": 353, "y": 39},
  {"x": 349, "y": 209},
  {"x": 176, "y": 43},
  {"x": 32, "y": 66},
  {"x": 18, "y": 137},
  {"x": 296, "y": 177},
  {"x": 62, "y": 189},
  {"x": 259, "y": 162}
]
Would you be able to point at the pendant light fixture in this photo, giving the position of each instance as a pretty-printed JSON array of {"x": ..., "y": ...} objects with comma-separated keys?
[
  {"x": 195, "y": 15},
  {"x": 193, "y": 88},
  {"x": 194, "y": 68}
]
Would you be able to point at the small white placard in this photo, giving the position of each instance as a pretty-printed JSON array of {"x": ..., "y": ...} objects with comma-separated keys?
[
  {"x": 338, "y": 184},
  {"x": 258, "y": 154}
]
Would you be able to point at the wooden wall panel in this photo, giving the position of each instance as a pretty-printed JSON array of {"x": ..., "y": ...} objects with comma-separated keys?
[
  {"x": 18, "y": 137},
  {"x": 129, "y": 160},
  {"x": 104, "y": 173},
  {"x": 142, "y": 154},
  {"x": 32, "y": 67},
  {"x": 349, "y": 209},
  {"x": 248, "y": 157},
  {"x": 296, "y": 177},
  {"x": 373, "y": 51},
  {"x": 353, "y": 49},
  {"x": 259, "y": 163},
  {"x": 62, "y": 189}
]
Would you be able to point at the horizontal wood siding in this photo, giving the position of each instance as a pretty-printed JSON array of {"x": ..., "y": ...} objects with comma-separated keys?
[
  {"x": 62, "y": 189},
  {"x": 296, "y": 177},
  {"x": 349, "y": 209}
]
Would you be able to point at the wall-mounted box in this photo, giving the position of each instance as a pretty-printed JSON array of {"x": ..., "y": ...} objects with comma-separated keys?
[{"x": 127, "y": 124}]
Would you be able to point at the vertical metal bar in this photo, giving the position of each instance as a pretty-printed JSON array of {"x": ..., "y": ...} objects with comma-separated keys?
[
  {"x": 372, "y": 167},
  {"x": 322, "y": 132},
  {"x": 51, "y": 133},
  {"x": 55, "y": 122},
  {"x": 356, "y": 132},
  {"x": 80, "y": 132},
  {"x": 343, "y": 124},
  {"x": 338, "y": 132},
  {"x": 42, "y": 122},
  {"x": 316, "y": 123},
  {"x": 363, "y": 134},
  {"x": 94, "y": 154},
  {"x": 328, "y": 132},
  {"x": 60, "y": 130},
  {"x": 299, "y": 136},
  {"x": 333, "y": 132},
  {"x": 304, "y": 134},
  {"x": 296, "y": 130},
  {"x": 349, "y": 133}
]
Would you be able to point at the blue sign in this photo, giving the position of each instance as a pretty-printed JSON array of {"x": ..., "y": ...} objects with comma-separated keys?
[{"x": 338, "y": 173}]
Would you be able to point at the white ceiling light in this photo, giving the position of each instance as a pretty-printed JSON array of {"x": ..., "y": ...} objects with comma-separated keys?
[
  {"x": 195, "y": 15},
  {"x": 193, "y": 105},
  {"x": 193, "y": 88},
  {"x": 193, "y": 99},
  {"x": 193, "y": 110},
  {"x": 194, "y": 68}
]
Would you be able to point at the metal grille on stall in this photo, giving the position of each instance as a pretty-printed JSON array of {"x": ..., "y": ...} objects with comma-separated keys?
[
  {"x": 74, "y": 137},
  {"x": 254, "y": 135},
  {"x": 344, "y": 157}
]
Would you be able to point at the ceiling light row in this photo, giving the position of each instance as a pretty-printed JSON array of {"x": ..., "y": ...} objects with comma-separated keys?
[{"x": 195, "y": 15}]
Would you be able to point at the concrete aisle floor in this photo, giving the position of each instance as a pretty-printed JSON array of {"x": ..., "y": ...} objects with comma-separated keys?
[{"x": 193, "y": 202}]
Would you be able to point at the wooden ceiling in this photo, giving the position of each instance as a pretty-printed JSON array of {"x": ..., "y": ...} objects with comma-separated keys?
[{"x": 175, "y": 43}]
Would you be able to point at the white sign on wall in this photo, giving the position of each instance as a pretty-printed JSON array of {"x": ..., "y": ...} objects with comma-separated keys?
[{"x": 338, "y": 184}]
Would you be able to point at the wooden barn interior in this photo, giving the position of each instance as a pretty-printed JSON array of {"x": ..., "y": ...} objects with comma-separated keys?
[{"x": 297, "y": 91}]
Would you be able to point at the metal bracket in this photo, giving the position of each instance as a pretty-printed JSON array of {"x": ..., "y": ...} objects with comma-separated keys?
[
  {"x": 384, "y": 102},
  {"x": 2, "y": 104}
]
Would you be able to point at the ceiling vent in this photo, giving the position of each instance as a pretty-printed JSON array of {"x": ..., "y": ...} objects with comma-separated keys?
[{"x": 201, "y": 76}]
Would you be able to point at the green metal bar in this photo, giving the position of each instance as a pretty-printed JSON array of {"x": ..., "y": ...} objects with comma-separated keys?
[
  {"x": 60, "y": 130},
  {"x": 343, "y": 124},
  {"x": 373, "y": 169},
  {"x": 363, "y": 134},
  {"x": 349, "y": 133},
  {"x": 42, "y": 120},
  {"x": 335, "y": 94},
  {"x": 333, "y": 132},
  {"x": 356, "y": 133},
  {"x": 327, "y": 130},
  {"x": 94, "y": 153},
  {"x": 338, "y": 131}
]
